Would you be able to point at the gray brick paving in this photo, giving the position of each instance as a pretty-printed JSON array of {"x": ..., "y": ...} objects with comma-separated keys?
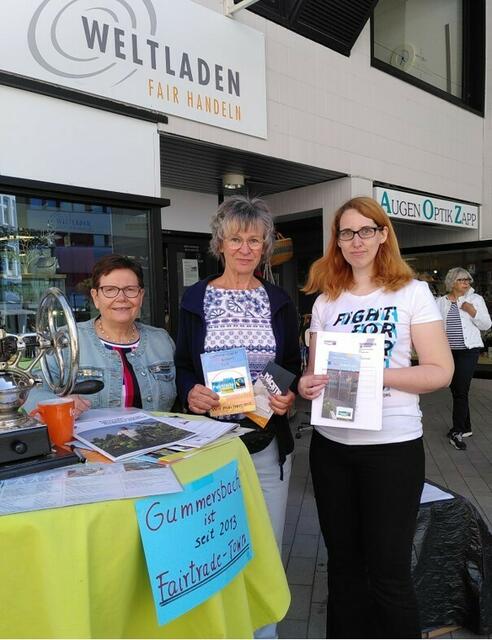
[{"x": 468, "y": 473}]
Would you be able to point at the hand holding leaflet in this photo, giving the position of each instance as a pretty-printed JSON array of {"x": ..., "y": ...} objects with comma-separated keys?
[
  {"x": 202, "y": 400},
  {"x": 227, "y": 374},
  {"x": 274, "y": 380},
  {"x": 353, "y": 396}
]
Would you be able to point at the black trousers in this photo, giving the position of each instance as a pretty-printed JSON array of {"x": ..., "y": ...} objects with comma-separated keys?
[
  {"x": 465, "y": 361},
  {"x": 368, "y": 498}
]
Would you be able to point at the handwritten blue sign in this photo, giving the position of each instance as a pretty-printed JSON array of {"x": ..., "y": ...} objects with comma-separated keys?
[{"x": 195, "y": 542}]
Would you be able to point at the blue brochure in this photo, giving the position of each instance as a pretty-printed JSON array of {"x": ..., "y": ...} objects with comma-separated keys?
[{"x": 227, "y": 374}]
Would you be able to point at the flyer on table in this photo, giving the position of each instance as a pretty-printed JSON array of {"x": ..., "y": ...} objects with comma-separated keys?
[
  {"x": 352, "y": 397},
  {"x": 227, "y": 374}
]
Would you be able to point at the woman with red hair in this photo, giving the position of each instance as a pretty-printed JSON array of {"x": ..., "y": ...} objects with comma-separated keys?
[{"x": 367, "y": 483}]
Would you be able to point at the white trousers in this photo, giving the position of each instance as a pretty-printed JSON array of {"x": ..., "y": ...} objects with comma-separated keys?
[{"x": 275, "y": 492}]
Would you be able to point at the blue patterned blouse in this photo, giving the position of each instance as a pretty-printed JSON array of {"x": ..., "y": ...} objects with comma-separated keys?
[{"x": 240, "y": 318}]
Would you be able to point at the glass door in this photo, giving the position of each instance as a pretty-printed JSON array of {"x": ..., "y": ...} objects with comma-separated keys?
[{"x": 186, "y": 260}]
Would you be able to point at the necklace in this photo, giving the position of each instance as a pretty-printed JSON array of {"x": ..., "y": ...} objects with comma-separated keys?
[{"x": 132, "y": 338}]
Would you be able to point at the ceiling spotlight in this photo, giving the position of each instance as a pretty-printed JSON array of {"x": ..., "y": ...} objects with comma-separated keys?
[{"x": 232, "y": 181}]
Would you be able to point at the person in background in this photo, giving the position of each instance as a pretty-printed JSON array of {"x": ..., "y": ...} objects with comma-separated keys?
[
  {"x": 134, "y": 361},
  {"x": 238, "y": 309},
  {"x": 367, "y": 483},
  {"x": 465, "y": 314}
]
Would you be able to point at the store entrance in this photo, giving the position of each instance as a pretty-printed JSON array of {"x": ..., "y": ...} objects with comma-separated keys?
[
  {"x": 306, "y": 231},
  {"x": 185, "y": 261}
]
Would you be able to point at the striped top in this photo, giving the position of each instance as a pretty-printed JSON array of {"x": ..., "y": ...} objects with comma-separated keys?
[
  {"x": 454, "y": 328},
  {"x": 130, "y": 391}
]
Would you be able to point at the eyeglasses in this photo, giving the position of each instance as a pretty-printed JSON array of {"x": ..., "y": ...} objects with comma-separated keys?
[
  {"x": 235, "y": 243},
  {"x": 109, "y": 291},
  {"x": 364, "y": 233},
  {"x": 467, "y": 280}
]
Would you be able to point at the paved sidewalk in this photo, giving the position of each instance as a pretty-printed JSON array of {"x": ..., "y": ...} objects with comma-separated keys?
[{"x": 468, "y": 473}]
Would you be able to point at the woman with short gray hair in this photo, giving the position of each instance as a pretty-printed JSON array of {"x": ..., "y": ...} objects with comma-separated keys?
[
  {"x": 239, "y": 213},
  {"x": 465, "y": 314},
  {"x": 456, "y": 274},
  {"x": 239, "y": 309}
]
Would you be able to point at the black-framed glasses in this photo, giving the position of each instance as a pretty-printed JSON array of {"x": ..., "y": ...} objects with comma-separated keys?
[
  {"x": 467, "y": 280},
  {"x": 110, "y": 291},
  {"x": 364, "y": 233}
]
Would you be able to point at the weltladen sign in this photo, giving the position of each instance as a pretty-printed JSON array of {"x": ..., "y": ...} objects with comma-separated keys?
[{"x": 171, "y": 56}]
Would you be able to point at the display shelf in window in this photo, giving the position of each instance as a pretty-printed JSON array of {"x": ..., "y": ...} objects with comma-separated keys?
[
  {"x": 34, "y": 286},
  {"x": 20, "y": 299},
  {"x": 10, "y": 265}
]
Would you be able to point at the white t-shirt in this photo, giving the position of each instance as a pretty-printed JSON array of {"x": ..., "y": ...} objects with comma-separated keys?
[{"x": 391, "y": 313}]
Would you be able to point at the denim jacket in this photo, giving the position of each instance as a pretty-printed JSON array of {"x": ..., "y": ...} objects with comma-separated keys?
[{"x": 152, "y": 361}]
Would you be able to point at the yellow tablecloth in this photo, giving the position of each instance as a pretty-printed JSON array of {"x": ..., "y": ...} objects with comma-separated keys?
[{"x": 79, "y": 572}]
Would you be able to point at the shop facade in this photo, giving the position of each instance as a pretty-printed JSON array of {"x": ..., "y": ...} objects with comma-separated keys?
[{"x": 304, "y": 119}]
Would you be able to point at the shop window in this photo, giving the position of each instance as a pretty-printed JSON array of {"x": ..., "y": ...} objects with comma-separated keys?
[
  {"x": 55, "y": 243},
  {"x": 7, "y": 212},
  {"x": 440, "y": 48}
]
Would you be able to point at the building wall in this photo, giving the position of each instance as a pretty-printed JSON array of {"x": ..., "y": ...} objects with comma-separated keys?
[
  {"x": 52, "y": 140},
  {"x": 189, "y": 211},
  {"x": 324, "y": 109},
  {"x": 486, "y": 220},
  {"x": 339, "y": 113}
]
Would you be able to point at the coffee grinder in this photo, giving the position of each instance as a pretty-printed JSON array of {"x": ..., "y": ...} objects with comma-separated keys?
[{"x": 24, "y": 442}]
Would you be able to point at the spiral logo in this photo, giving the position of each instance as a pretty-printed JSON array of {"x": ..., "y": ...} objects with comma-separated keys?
[{"x": 73, "y": 39}]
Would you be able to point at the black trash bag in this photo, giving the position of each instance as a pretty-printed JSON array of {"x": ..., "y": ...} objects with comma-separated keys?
[{"x": 452, "y": 566}]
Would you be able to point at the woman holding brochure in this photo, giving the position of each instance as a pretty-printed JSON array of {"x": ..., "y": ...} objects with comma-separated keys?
[
  {"x": 239, "y": 309},
  {"x": 367, "y": 481}
]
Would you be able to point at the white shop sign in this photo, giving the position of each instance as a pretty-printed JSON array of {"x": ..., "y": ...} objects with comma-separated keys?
[
  {"x": 413, "y": 207},
  {"x": 171, "y": 56}
]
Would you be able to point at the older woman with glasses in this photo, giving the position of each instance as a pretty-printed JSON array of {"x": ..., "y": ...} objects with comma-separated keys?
[
  {"x": 239, "y": 309},
  {"x": 465, "y": 314},
  {"x": 134, "y": 361}
]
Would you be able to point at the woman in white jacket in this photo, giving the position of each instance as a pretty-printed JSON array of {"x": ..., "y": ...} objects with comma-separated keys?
[{"x": 465, "y": 314}]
